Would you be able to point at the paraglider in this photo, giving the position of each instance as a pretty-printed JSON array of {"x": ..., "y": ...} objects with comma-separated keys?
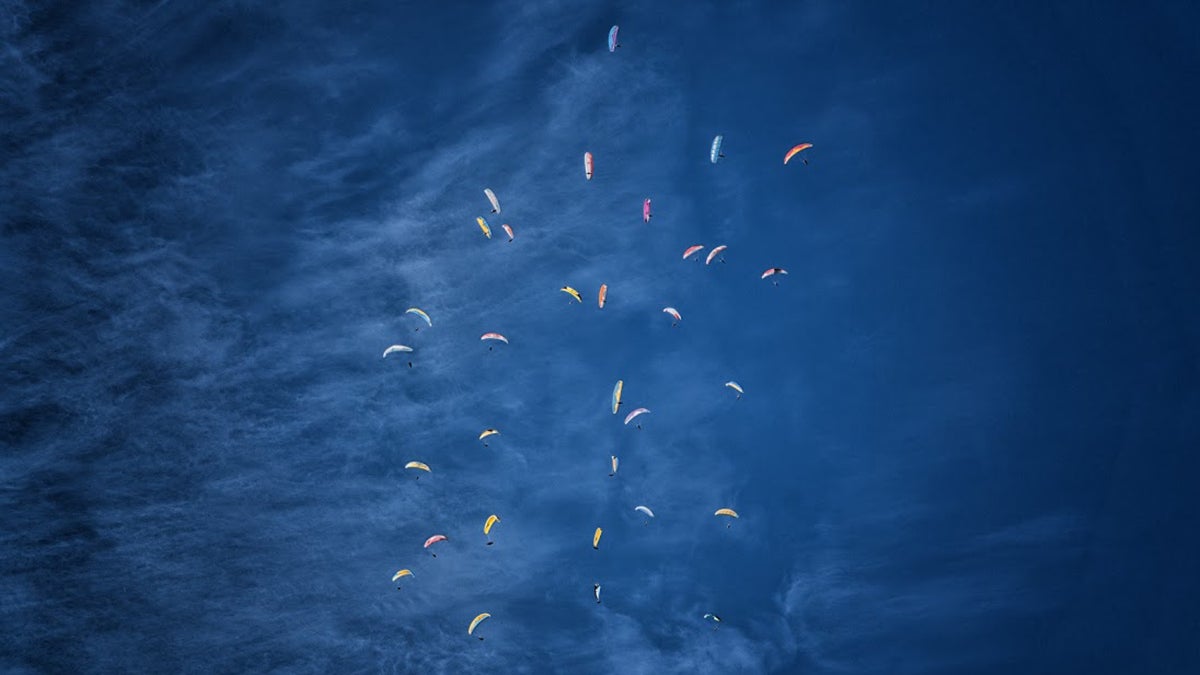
[
  {"x": 421, "y": 466},
  {"x": 674, "y": 315},
  {"x": 736, "y": 387},
  {"x": 572, "y": 292},
  {"x": 773, "y": 271},
  {"x": 713, "y": 253},
  {"x": 493, "y": 336},
  {"x": 587, "y": 165},
  {"x": 487, "y": 527},
  {"x": 727, "y": 512},
  {"x": 646, "y": 210},
  {"x": 644, "y": 509},
  {"x": 691, "y": 249},
  {"x": 616, "y": 396},
  {"x": 715, "y": 152},
  {"x": 615, "y": 461},
  {"x": 486, "y": 433},
  {"x": 421, "y": 313},
  {"x": 612, "y": 39},
  {"x": 602, "y": 295},
  {"x": 508, "y": 230},
  {"x": 492, "y": 198},
  {"x": 396, "y": 348},
  {"x": 635, "y": 413},
  {"x": 401, "y": 573},
  {"x": 476, "y": 621},
  {"x": 433, "y": 540},
  {"x": 714, "y": 618},
  {"x": 487, "y": 231},
  {"x": 596, "y": 592},
  {"x": 794, "y": 151},
  {"x": 596, "y": 539}
]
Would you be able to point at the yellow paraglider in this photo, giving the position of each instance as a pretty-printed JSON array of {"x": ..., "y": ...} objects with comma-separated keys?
[
  {"x": 596, "y": 539},
  {"x": 487, "y": 231},
  {"x": 475, "y": 622},
  {"x": 418, "y": 465},
  {"x": 726, "y": 512},
  {"x": 572, "y": 292},
  {"x": 487, "y": 527},
  {"x": 402, "y": 573},
  {"x": 486, "y": 433}
]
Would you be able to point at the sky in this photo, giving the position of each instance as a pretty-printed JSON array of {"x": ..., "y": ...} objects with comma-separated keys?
[{"x": 968, "y": 440}]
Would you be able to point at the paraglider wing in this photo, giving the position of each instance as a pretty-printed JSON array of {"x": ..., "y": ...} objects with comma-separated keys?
[
  {"x": 491, "y": 520},
  {"x": 475, "y": 622},
  {"x": 418, "y": 465},
  {"x": 596, "y": 591},
  {"x": 616, "y": 396},
  {"x": 773, "y": 270},
  {"x": 715, "y": 152},
  {"x": 673, "y": 312},
  {"x": 420, "y": 313},
  {"x": 492, "y": 198},
  {"x": 726, "y": 512},
  {"x": 487, "y": 231},
  {"x": 615, "y": 462},
  {"x": 646, "y": 211},
  {"x": 396, "y": 348},
  {"x": 508, "y": 230},
  {"x": 587, "y": 165},
  {"x": 735, "y": 386},
  {"x": 612, "y": 39},
  {"x": 401, "y": 573},
  {"x": 572, "y": 292},
  {"x": 794, "y": 151},
  {"x": 494, "y": 336},
  {"x": 635, "y": 413},
  {"x": 596, "y": 538},
  {"x": 434, "y": 539},
  {"x": 714, "y": 253},
  {"x": 712, "y": 617},
  {"x": 644, "y": 509},
  {"x": 602, "y": 296},
  {"x": 691, "y": 249},
  {"x": 488, "y": 432}
]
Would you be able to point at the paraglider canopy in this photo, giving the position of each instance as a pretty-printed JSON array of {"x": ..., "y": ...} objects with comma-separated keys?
[
  {"x": 735, "y": 386},
  {"x": 714, "y": 253},
  {"x": 616, "y": 395},
  {"x": 644, "y": 509},
  {"x": 691, "y": 249},
  {"x": 509, "y": 231},
  {"x": 714, "y": 153},
  {"x": 673, "y": 312},
  {"x": 420, "y": 313},
  {"x": 418, "y": 465},
  {"x": 795, "y": 150},
  {"x": 396, "y": 348},
  {"x": 434, "y": 539},
  {"x": 572, "y": 292},
  {"x": 646, "y": 210},
  {"x": 401, "y": 573},
  {"x": 612, "y": 39},
  {"x": 491, "y": 520},
  {"x": 488, "y": 432},
  {"x": 487, "y": 231},
  {"x": 596, "y": 538},
  {"x": 476, "y": 621},
  {"x": 635, "y": 413},
  {"x": 602, "y": 295},
  {"x": 494, "y": 336},
  {"x": 492, "y": 198},
  {"x": 587, "y": 165}
]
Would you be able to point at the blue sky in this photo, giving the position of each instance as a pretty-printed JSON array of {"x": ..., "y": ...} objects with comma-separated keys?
[{"x": 968, "y": 437}]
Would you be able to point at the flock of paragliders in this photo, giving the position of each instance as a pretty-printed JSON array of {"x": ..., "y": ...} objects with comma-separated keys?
[{"x": 716, "y": 253}]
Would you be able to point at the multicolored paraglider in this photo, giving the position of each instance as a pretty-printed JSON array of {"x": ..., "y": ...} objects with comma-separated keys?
[
  {"x": 612, "y": 39},
  {"x": 487, "y": 527},
  {"x": 400, "y": 574},
  {"x": 476, "y": 621},
  {"x": 492, "y": 198},
  {"x": 727, "y": 512},
  {"x": 421, "y": 313},
  {"x": 602, "y": 295},
  {"x": 420, "y": 466},
  {"x": 616, "y": 396},
  {"x": 736, "y": 387},
  {"x": 646, "y": 210},
  {"x": 508, "y": 230},
  {"x": 587, "y": 165},
  {"x": 493, "y": 336},
  {"x": 714, "y": 253},
  {"x": 772, "y": 272},
  {"x": 487, "y": 231},
  {"x": 486, "y": 433},
  {"x": 796, "y": 150},
  {"x": 674, "y": 315},
  {"x": 687, "y": 252},
  {"x": 572, "y": 292}
]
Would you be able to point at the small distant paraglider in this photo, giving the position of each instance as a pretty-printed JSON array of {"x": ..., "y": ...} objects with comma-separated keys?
[
  {"x": 646, "y": 210},
  {"x": 727, "y": 512},
  {"x": 488, "y": 432},
  {"x": 420, "y": 466},
  {"x": 795, "y": 151},
  {"x": 587, "y": 165},
  {"x": 612, "y": 39},
  {"x": 483, "y": 226},
  {"x": 492, "y": 198},
  {"x": 433, "y": 540},
  {"x": 396, "y": 348},
  {"x": 493, "y": 337},
  {"x": 646, "y": 510},
  {"x": 615, "y": 462},
  {"x": 616, "y": 396},
  {"x": 687, "y": 252},
  {"x": 596, "y": 592},
  {"x": 714, "y": 618},
  {"x": 509, "y": 231},
  {"x": 572, "y": 292},
  {"x": 674, "y": 315},
  {"x": 421, "y": 313},
  {"x": 602, "y": 295},
  {"x": 476, "y": 621},
  {"x": 736, "y": 387},
  {"x": 487, "y": 527},
  {"x": 596, "y": 538},
  {"x": 714, "y": 253},
  {"x": 633, "y": 415},
  {"x": 714, "y": 153},
  {"x": 400, "y": 575},
  {"x": 772, "y": 272}
]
